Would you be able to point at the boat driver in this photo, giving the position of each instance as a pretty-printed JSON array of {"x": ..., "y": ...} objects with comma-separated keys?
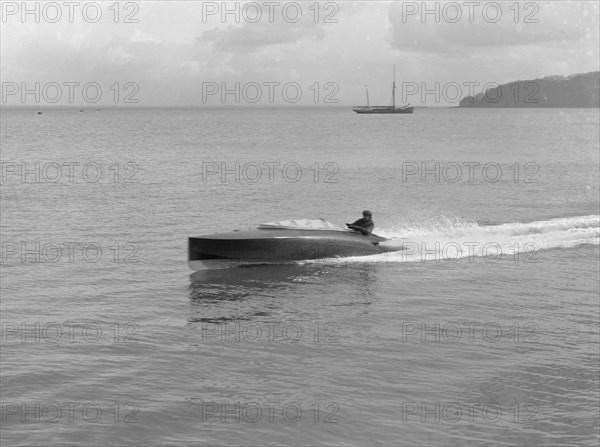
[{"x": 364, "y": 225}]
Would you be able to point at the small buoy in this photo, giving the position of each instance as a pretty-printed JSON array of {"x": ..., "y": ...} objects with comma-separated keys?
[
  {"x": 39, "y": 113},
  {"x": 81, "y": 110}
]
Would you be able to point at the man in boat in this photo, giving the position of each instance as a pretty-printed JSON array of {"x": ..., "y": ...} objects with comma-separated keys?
[{"x": 364, "y": 225}]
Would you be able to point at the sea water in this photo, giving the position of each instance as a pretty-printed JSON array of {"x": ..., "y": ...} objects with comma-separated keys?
[{"x": 482, "y": 329}]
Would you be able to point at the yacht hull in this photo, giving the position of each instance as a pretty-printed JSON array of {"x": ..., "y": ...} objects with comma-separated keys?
[{"x": 371, "y": 110}]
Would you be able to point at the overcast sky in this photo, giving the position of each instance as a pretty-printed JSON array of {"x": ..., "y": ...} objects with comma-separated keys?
[{"x": 170, "y": 53}]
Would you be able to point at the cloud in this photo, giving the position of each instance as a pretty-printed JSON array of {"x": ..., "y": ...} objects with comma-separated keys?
[
  {"x": 458, "y": 30},
  {"x": 256, "y": 36},
  {"x": 170, "y": 52}
]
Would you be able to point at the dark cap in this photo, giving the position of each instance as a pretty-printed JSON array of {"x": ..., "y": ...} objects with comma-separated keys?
[{"x": 367, "y": 213}]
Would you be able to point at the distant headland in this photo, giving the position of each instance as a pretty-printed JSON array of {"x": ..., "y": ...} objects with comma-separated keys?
[{"x": 576, "y": 90}]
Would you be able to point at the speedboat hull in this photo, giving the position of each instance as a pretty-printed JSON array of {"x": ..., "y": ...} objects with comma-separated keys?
[{"x": 267, "y": 246}]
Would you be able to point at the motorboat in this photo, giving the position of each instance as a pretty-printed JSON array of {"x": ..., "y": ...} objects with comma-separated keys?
[{"x": 281, "y": 242}]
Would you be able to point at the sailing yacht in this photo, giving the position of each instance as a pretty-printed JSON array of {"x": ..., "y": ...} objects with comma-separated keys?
[{"x": 384, "y": 109}]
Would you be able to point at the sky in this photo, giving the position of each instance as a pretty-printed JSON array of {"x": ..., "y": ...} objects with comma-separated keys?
[{"x": 192, "y": 53}]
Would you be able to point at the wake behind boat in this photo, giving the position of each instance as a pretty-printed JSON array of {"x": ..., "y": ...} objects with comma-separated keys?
[{"x": 280, "y": 242}]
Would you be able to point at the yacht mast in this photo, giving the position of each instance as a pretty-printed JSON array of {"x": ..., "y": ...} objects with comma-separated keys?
[
  {"x": 367, "y": 90},
  {"x": 394, "y": 89}
]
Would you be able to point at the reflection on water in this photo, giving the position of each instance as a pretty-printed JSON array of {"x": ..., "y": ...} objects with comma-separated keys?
[
  {"x": 263, "y": 292},
  {"x": 243, "y": 293}
]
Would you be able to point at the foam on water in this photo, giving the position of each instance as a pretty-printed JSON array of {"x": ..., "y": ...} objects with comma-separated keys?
[{"x": 449, "y": 239}]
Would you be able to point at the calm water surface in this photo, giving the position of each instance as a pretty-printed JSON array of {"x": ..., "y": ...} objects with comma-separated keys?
[{"x": 484, "y": 333}]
